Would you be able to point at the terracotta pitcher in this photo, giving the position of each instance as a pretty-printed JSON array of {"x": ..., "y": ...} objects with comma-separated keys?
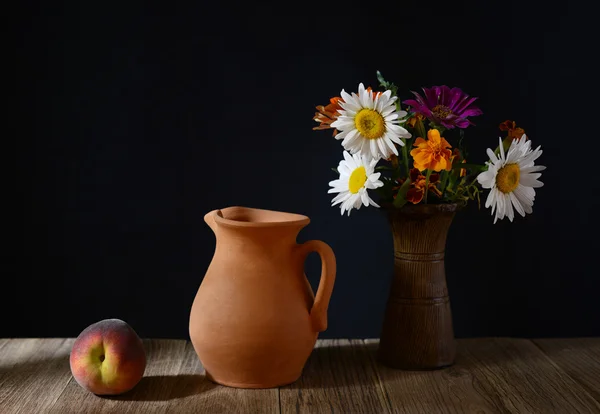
[{"x": 255, "y": 319}]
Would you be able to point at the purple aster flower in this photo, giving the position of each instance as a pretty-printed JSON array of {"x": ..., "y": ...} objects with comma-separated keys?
[{"x": 444, "y": 106}]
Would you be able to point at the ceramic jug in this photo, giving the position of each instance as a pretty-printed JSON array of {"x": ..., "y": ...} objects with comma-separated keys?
[{"x": 255, "y": 319}]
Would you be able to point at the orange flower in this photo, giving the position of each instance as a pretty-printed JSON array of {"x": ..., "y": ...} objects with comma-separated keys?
[
  {"x": 513, "y": 131},
  {"x": 417, "y": 186},
  {"x": 455, "y": 157},
  {"x": 328, "y": 114},
  {"x": 412, "y": 121},
  {"x": 433, "y": 153},
  {"x": 416, "y": 191}
]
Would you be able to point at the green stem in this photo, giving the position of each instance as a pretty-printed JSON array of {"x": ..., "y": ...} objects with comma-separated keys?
[
  {"x": 445, "y": 175},
  {"x": 440, "y": 128},
  {"x": 473, "y": 182},
  {"x": 427, "y": 185},
  {"x": 458, "y": 187},
  {"x": 405, "y": 156},
  {"x": 474, "y": 167},
  {"x": 420, "y": 127}
]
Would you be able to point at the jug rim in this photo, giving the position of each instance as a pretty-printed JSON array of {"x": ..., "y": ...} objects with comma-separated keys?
[{"x": 260, "y": 215}]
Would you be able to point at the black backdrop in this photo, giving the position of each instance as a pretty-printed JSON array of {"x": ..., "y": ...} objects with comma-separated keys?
[{"x": 134, "y": 122}]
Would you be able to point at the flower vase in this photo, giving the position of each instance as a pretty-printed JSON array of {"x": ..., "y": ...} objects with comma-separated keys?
[{"x": 417, "y": 331}]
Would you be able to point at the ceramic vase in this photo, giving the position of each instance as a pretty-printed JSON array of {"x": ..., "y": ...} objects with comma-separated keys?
[{"x": 255, "y": 320}]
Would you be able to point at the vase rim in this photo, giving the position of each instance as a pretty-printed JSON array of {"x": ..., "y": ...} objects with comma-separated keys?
[{"x": 423, "y": 208}]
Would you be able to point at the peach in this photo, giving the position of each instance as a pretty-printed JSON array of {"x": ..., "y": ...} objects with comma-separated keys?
[{"x": 108, "y": 358}]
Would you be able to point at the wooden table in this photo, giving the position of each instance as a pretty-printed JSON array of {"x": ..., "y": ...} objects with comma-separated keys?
[{"x": 495, "y": 375}]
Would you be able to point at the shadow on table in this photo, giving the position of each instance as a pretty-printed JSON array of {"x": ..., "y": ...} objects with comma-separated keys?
[
  {"x": 353, "y": 365},
  {"x": 166, "y": 387},
  {"x": 344, "y": 365}
]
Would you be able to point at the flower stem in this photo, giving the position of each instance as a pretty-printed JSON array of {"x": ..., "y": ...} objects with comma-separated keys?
[
  {"x": 445, "y": 175},
  {"x": 427, "y": 184},
  {"x": 474, "y": 167},
  {"x": 421, "y": 129},
  {"x": 405, "y": 157}
]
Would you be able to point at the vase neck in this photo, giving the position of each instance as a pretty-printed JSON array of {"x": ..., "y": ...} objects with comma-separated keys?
[
  {"x": 416, "y": 234},
  {"x": 250, "y": 229},
  {"x": 272, "y": 239}
]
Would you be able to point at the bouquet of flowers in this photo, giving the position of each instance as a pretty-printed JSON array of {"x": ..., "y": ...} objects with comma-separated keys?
[{"x": 417, "y": 154}]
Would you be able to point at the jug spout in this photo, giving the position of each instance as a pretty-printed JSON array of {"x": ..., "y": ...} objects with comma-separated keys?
[
  {"x": 209, "y": 218},
  {"x": 260, "y": 228}
]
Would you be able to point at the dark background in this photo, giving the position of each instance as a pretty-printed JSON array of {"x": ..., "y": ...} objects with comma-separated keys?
[{"x": 133, "y": 122}]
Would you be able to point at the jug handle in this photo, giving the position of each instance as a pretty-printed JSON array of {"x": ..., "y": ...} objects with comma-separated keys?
[{"x": 318, "y": 313}]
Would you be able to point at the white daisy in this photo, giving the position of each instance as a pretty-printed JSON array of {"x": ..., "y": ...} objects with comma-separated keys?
[
  {"x": 369, "y": 123},
  {"x": 356, "y": 176},
  {"x": 512, "y": 179}
]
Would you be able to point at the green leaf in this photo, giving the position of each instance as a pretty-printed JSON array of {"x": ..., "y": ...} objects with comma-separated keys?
[
  {"x": 335, "y": 170},
  {"x": 388, "y": 85},
  {"x": 400, "y": 199},
  {"x": 473, "y": 167},
  {"x": 420, "y": 127},
  {"x": 440, "y": 128},
  {"x": 384, "y": 168},
  {"x": 506, "y": 143},
  {"x": 445, "y": 174},
  {"x": 474, "y": 193},
  {"x": 382, "y": 81}
]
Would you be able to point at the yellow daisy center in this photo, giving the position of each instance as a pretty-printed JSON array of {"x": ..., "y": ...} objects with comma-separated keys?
[
  {"x": 507, "y": 178},
  {"x": 370, "y": 123},
  {"x": 357, "y": 180}
]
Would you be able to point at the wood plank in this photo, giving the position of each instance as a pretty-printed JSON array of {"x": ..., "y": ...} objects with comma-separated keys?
[
  {"x": 450, "y": 390},
  {"x": 174, "y": 382},
  {"x": 339, "y": 377},
  {"x": 151, "y": 394},
  {"x": 523, "y": 377},
  {"x": 490, "y": 375},
  {"x": 14, "y": 355},
  {"x": 33, "y": 373},
  {"x": 194, "y": 393},
  {"x": 578, "y": 357},
  {"x": 16, "y": 351}
]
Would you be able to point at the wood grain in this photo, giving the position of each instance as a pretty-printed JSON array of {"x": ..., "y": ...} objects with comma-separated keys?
[
  {"x": 523, "y": 378},
  {"x": 151, "y": 394},
  {"x": 339, "y": 377},
  {"x": 417, "y": 329},
  {"x": 33, "y": 373},
  {"x": 491, "y": 375},
  {"x": 450, "y": 390},
  {"x": 193, "y": 393},
  {"x": 578, "y": 357}
]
